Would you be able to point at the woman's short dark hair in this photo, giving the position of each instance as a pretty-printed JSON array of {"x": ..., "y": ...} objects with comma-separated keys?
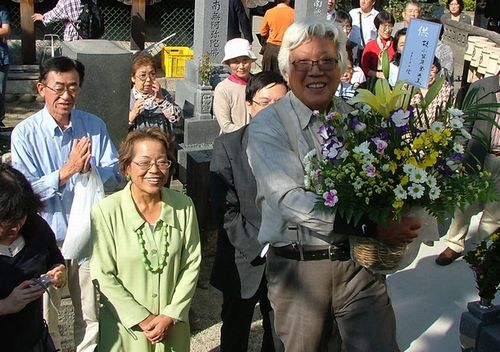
[
  {"x": 436, "y": 63},
  {"x": 126, "y": 153},
  {"x": 61, "y": 64},
  {"x": 17, "y": 198},
  {"x": 461, "y": 5},
  {"x": 261, "y": 80},
  {"x": 398, "y": 34},
  {"x": 383, "y": 17},
  {"x": 142, "y": 59}
]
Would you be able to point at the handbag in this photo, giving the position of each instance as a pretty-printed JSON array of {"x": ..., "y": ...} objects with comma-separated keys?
[
  {"x": 88, "y": 191},
  {"x": 45, "y": 343}
]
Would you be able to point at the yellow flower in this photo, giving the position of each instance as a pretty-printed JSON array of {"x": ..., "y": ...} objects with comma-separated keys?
[
  {"x": 393, "y": 166},
  {"x": 495, "y": 237},
  {"x": 397, "y": 204},
  {"x": 404, "y": 180}
]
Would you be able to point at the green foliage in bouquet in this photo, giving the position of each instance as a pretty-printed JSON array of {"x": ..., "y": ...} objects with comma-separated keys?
[
  {"x": 385, "y": 157},
  {"x": 484, "y": 261}
]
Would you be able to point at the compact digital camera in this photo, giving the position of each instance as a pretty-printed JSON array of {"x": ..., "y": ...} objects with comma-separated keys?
[{"x": 44, "y": 281}]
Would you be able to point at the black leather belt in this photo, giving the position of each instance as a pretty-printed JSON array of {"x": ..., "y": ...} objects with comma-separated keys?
[{"x": 339, "y": 251}]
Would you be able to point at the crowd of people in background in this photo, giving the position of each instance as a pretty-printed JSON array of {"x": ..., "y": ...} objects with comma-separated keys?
[{"x": 274, "y": 248}]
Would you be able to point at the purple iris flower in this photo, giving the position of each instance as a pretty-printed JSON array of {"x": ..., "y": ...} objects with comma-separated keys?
[
  {"x": 357, "y": 125},
  {"x": 325, "y": 131},
  {"x": 330, "y": 198},
  {"x": 457, "y": 157},
  {"x": 332, "y": 148}
]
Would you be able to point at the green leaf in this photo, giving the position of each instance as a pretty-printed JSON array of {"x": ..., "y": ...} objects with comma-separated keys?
[
  {"x": 385, "y": 64},
  {"x": 433, "y": 91}
]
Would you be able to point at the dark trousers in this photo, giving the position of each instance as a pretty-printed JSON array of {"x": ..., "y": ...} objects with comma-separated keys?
[
  {"x": 237, "y": 315},
  {"x": 270, "y": 58},
  {"x": 322, "y": 305}
]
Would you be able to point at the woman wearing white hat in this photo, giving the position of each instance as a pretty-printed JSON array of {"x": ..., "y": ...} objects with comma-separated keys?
[{"x": 229, "y": 95}]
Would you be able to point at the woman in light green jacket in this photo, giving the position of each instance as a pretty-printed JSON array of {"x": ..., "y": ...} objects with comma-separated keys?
[{"x": 146, "y": 253}]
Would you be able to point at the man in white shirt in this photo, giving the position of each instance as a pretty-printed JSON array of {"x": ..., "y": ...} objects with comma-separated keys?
[
  {"x": 363, "y": 28},
  {"x": 330, "y": 10}
]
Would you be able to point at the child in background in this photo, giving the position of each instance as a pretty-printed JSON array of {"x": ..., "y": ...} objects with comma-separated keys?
[
  {"x": 345, "y": 20},
  {"x": 350, "y": 80}
]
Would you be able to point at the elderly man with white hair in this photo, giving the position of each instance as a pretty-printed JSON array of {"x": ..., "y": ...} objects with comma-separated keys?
[{"x": 322, "y": 299}]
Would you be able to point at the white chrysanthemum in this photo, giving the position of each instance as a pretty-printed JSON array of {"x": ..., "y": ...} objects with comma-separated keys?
[
  {"x": 465, "y": 133},
  {"x": 416, "y": 191},
  {"x": 384, "y": 124},
  {"x": 358, "y": 183},
  {"x": 434, "y": 193},
  {"x": 458, "y": 148},
  {"x": 408, "y": 168},
  {"x": 400, "y": 192},
  {"x": 385, "y": 167},
  {"x": 431, "y": 181},
  {"x": 366, "y": 108},
  {"x": 363, "y": 148},
  {"x": 418, "y": 175},
  {"x": 455, "y": 112},
  {"x": 457, "y": 123},
  {"x": 437, "y": 126}
]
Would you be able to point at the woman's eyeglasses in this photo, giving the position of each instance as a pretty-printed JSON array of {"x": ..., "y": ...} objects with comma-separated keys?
[
  {"x": 162, "y": 164},
  {"x": 144, "y": 76}
]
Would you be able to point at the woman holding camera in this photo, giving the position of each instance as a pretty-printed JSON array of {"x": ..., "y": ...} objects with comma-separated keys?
[{"x": 29, "y": 261}]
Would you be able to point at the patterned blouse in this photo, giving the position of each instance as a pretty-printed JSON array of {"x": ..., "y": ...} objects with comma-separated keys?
[
  {"x": 161, "y": 115},
  {"x": 439, "y": 101}
]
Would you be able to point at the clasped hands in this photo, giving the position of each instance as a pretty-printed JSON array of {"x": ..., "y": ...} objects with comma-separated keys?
[
  {"x": 79, "y": 159},
  {"x": 155, "y": 327}
]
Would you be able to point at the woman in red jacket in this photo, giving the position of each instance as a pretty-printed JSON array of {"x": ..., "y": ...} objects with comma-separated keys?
[{"x": 371, "y": 62}]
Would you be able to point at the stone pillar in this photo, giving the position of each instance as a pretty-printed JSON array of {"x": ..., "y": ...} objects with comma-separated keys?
[
  {"x": 106, "y": 86},
  {"x": 306, "y": 8}
]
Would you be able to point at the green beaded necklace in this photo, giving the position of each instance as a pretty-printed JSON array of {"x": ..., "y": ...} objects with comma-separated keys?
[{"x": 163, "y": 254}]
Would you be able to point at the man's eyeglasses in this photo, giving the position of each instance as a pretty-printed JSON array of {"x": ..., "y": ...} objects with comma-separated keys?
[
  {"x": 307, "y": 65},
  {"x": 162, "y": 164},
  {"x": 59, "y": 90},
  {"x": 144, "y": 76},
  {"x": 265, "y": 103}
]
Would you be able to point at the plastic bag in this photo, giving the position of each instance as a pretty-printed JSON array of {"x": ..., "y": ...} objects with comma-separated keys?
[{"x": 88, "y": 191}]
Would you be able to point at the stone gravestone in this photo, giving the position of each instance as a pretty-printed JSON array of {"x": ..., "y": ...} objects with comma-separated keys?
[
  {"x": 200, "y": 128},
  {"x": 106, "y": 86},
  {"x": 306, "y": 8}
]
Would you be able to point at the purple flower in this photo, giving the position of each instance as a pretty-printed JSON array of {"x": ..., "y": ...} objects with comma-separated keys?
[
  {"x": 370, "y": 170},
  {"x": 400, "y": 118},
  {"x": 330, "y": 198},
  {"x": 330, "y": 116},
  {"x": 325, "y": 131},
  {"x": 380, "y": 144},
  {"x": 332, "y": 148},
  {"x": 443, "y": 169},
  {"x": 457, "y": 156},
  {"x": 357, "y": 125},
  {"x": 384, "y": 134}
]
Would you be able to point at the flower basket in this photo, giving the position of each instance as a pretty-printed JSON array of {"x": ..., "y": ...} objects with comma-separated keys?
[{"x": 376, "y": 256}]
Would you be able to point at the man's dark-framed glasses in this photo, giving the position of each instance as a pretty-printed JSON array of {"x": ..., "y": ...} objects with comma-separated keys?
[{"x": 307, "y": 65}]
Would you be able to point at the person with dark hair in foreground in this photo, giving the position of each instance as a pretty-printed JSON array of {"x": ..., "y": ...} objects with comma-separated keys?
[
  {"x": 51, "y": 148},
  {"x": 239, "y": 264},
  {"x": 28, "y": 250}
]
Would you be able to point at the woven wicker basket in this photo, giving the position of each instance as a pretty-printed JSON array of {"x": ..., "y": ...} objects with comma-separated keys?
[{"x": 376, "y": 256}]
